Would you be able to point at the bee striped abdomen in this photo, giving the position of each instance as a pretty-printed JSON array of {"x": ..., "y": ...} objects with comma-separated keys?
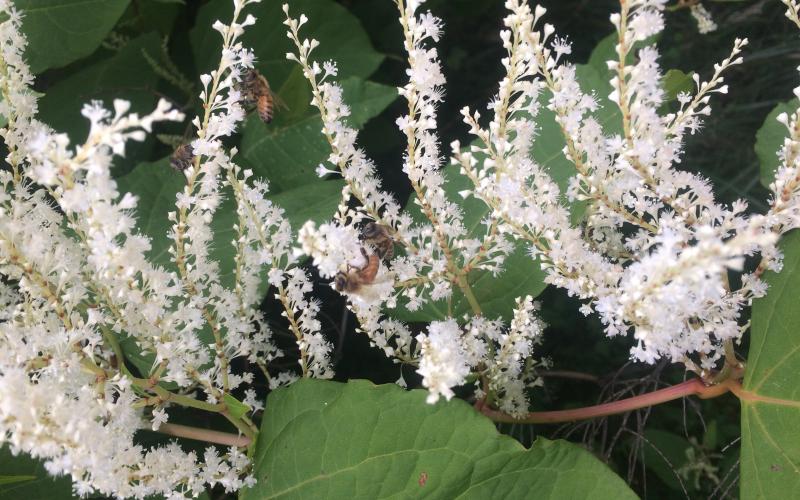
[
  {"x": 264, "y": 106},
  {"x": 257, "y": 93}
]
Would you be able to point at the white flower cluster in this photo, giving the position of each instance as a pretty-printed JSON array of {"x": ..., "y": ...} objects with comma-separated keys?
[
  {"x": 701, "y": 15},
  {"x": 651, "y": 256},
  {"x": 78, "y": 291},
  {"x": 438, "y": 254}
]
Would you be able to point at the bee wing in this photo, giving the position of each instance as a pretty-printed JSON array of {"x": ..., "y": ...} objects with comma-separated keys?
[
  {"x": 171, "y": 140},
  {"x": 279, "y": 102}
]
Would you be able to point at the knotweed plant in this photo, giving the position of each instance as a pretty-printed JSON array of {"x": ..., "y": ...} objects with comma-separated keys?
[{"x": 650, "y": 257}]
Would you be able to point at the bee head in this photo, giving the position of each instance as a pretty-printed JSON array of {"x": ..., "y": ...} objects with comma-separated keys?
[
  {"x": 340, "y": 281},
  {"x": 371, "y": 230}
]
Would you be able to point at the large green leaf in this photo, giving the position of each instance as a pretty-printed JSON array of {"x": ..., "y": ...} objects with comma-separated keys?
[
  {"x": 676, "y": 81},
  {"x": 160, "y": 14},
  {"x": 288, "y": 150},
  {"x": 342, "y": 39},
  {"x": 62, "y": 31},
  {"x": 125, "y": 75},
  {"x": 23, "y": 477},
  {"x": 323, "y": 439},
  {"x": 770, "y": 460},
  {"x": 769, "y": 140}
]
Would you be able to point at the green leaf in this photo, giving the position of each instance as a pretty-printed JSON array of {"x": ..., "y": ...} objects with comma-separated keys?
[
  {"x": 159, "y": 14},
  {"x": 235, "y": 407},
  {"x": 125, "y": 75},
  {"x": 4, "y": 480},
  {"x": 521, "y": 274},
  {"x": 62, "y": 31},
  {"x": 156, "y": 185},
  {"x": 322, "y": 439},
  {"x": 341, "y": 37},
  {"x": 769, "y": 140},
  {"x": 676, "y": 81},
  {"x": 288, "y": 150},
  {"x": 770, "y": 456},
  {"x": 24, "y": 477},
  {"x": 3, "y": 118},
  {"x": 314, "y": 201},
  {"x": 665, "y": 453}
]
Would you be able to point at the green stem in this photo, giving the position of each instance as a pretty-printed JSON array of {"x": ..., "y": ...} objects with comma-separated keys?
[
  {"x": 167, "y": 396},
  {"x": 473, "y": 302},
  {"x": 241, "y": 425}
]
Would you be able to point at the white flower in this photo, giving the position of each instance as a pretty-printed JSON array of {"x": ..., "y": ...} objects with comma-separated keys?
[
  {"x": 443, "y": 364},
  {"x": 159, "y": 417}
]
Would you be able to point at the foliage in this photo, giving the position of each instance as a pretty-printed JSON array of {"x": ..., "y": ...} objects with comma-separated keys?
[
  {"x": 770, "y": 445},
  {"x": 333, "y": 440}
]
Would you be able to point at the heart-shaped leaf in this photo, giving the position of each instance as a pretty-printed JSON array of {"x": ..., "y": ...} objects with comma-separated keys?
[
  {"x": 770, "y": 460},
  {"x": 322, "y": 439}
]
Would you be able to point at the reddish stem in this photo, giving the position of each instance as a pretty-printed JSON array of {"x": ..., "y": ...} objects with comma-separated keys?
[
  {"x": 586, "y": 377},
  {"x": 693, "y": 387}
]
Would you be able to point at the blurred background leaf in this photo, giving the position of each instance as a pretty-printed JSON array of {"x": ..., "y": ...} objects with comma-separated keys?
[
  {"x": 62, "y": 31},
  {"x": 22, "y": 477},
  {"x": 769, "y": 140},
  {"x": 124, "y": 74},
  {"x": 288, "y": 150}
]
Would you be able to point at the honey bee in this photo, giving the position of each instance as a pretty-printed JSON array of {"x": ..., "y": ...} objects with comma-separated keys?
[
  {"x": 354, "y": 278},
  {"x": 257, "y": 93},
  {"x": 379, "y": 238},
  {"x": 182, "y": 157}
]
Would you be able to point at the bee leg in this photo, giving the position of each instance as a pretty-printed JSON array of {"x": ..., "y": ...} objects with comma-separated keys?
[{"x": 366, "y": 258}]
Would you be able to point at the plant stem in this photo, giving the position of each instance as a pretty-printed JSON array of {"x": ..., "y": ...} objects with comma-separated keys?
[
  {"x": 586, "y": 377},
  {"x": 473, "y": 302},
  {"x": 179, "y": 399},
  {"x": 691, "y": 387},
  {"x": 206, "y": 435},
  {"x": 241, "y": 425}
]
